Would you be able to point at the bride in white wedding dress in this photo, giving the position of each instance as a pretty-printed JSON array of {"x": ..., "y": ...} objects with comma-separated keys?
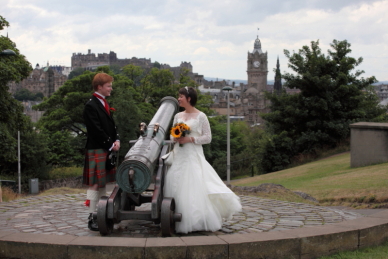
[{"x": 199, "y": 193}]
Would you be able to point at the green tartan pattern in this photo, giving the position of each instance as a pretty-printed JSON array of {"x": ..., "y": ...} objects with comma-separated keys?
[{"x": 94, "y": 168}]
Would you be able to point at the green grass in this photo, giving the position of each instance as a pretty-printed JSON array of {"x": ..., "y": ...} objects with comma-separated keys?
[
  {"x": 332, "y": 182},
  {"x": 379, "y": 252},
  {"x": 65, "y": 172},
  {"x": 276, "y": 194}
]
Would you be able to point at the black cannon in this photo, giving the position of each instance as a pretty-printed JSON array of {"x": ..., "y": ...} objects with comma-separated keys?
[{"x": 142, "y": 172}]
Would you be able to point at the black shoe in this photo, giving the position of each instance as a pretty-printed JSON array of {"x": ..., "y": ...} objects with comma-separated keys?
[{"x": 92, "y": 223}]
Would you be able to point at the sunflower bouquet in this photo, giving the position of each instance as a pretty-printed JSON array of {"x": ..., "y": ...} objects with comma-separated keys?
[{"x": 180, "y": 130}]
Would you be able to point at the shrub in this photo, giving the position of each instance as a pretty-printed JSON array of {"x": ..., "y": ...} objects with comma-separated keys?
[
  {"x": 65, "y": 172},
  {"x": 9, "y": 195}
]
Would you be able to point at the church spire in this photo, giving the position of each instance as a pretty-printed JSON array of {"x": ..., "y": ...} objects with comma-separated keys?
[
  {"x": 278, "y": 79},
  {"x": 278, "y": 74}
]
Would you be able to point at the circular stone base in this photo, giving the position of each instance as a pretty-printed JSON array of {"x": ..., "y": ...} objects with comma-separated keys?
[{"x": 66, "y": 215}]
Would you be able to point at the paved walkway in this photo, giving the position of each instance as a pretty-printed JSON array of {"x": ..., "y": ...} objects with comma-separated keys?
[{"x": 66, "y": 215}]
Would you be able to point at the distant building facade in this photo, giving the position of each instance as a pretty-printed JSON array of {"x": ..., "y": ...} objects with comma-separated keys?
[
  {"x": 34, "y": 115},
  {"x": 45, "y": 80},
  {"x": 382, "y": 91}
]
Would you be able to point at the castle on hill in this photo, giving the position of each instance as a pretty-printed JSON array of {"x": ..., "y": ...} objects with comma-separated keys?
[{"x": 91, "y": 61}]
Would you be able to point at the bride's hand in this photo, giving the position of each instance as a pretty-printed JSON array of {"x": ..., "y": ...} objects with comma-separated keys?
[{"x": 184, "y": 140}]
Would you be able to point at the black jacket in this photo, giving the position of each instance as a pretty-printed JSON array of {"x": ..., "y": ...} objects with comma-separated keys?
[{"x": 101, "y": 129}]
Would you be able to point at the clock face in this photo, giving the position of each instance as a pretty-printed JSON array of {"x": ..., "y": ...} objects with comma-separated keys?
[{"x": 256, "y": 64}]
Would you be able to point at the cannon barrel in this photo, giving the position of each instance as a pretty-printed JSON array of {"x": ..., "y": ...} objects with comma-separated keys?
[{"x": 134, "y": 175}]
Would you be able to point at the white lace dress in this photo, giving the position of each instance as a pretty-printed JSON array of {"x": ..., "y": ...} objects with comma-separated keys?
[{"x": 199, "y": 193}]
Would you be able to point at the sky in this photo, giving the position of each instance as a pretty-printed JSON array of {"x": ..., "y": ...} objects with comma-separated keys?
[{"x": 215, "y": 36}]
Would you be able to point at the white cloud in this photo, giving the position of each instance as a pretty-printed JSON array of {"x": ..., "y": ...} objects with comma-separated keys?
[
  {"x": 226, "y": 50},
  {"x": 201, "y": 51},
  {"x": 214, "y": 36}
]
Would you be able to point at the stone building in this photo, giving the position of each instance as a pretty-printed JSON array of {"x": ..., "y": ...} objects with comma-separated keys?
[
  {"x": 91, "y": 61},
  {"x": 33, "y": 114},
  {"x": 245, "y": 100},
  {"x": 382, "y": 91},
  {"x": 45, "y": 80},
  {"x": 253, "y": 96},
  {"x": 199, "y": 79}
]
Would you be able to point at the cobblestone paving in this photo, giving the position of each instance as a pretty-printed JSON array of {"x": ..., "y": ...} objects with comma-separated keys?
[{"x": 66, "y": 215}]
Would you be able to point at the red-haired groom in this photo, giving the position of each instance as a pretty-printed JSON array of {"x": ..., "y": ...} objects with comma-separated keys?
[{"x": 102, "y": 139}]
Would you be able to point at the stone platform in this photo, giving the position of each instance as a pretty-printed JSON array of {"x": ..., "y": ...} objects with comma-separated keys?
[
  {"x": 57, "y": 225},
  {"x": 66, "y": 215}
]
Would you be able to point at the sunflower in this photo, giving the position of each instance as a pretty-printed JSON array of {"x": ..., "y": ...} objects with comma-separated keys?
[
  {"x": 180, "y": 130},
  {"x": 176, "y": 131},
  {"x": 184, "y": 127}
]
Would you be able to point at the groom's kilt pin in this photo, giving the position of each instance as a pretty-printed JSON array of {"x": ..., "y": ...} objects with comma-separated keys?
[{"x": 94, "y": 169}]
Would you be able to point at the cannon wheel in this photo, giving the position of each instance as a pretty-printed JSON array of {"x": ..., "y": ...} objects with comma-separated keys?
[
  {"x": 105, "y": 225},
  {"x": 167, "y": 216}
]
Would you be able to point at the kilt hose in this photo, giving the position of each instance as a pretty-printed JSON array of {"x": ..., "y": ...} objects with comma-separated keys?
[{"x": 94, "y": 168}]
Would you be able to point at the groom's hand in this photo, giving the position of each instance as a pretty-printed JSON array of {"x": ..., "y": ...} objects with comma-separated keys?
[{"x": 116, "y": 146}]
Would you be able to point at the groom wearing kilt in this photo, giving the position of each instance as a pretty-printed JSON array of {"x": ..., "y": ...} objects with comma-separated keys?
[{"x": 102, "y": 140}]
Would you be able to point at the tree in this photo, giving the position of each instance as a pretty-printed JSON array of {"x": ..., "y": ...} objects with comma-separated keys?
[
  {"x": 128, "y": 116},
  {"x": 157, "y": 64},
  {"x": 204, "y": 102},
  {"x": 38, "y": 96},
  {"x": 76, "y": 72},
  {"x": 62, "y": 150},
  {"x": 24, "y": 95},
  {"x": 116, "y": 69},
  {"x": 133, "y": 104},
  {"x": 64, "y": 109},
  {"x": 134, "y": 73},
  {"x": 185, "y": 79},
  {"x": 216, "y": 151},
  {"x": 158, "y": 83},
  {"x": 332, "y": 97},
  {"x": 34, "y": 152}
]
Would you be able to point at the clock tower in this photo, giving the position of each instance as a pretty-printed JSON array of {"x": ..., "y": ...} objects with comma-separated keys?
[
  {"x": 257, "y": 67},
  {"x": 254, "y": 101}
]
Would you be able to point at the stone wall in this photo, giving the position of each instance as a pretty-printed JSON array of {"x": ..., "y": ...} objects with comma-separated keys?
[
  {"x": 73, "y": 182},
  {"x": 368, "y": 143}
]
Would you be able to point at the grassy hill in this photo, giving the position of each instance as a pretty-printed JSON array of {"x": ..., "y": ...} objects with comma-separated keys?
[{"x": 332, "y": 182}]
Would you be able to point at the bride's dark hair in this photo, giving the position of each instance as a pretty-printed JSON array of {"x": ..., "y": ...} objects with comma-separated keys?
[{"x": 189, "y": 92}]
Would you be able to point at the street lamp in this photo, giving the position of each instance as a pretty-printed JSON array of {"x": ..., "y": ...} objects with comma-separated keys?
[
  {"x": 228, "y": 88},
  {"x": 8, "y": 52}
]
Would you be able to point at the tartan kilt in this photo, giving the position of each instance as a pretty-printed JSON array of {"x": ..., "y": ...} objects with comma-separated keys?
[{"x": 94, "y": 168}]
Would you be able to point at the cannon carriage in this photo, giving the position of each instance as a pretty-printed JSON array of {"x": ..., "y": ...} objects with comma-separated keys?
[{"x": 142, "y": 172}]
